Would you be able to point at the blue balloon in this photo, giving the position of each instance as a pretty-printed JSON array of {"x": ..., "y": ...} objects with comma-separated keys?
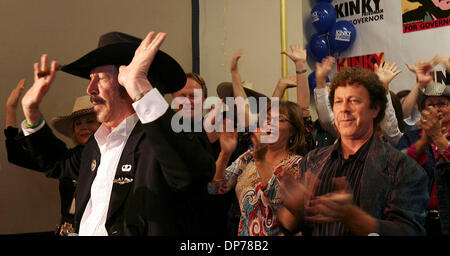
[
  {"x": 323, "y": 17},
  {"x": 312, "y": 82},
  {"x": 319, "y": 47},
  {"x": 342, "y": 35}
]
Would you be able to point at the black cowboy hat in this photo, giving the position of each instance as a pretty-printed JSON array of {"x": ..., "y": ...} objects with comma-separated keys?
[{"x": 116, "y": 48}]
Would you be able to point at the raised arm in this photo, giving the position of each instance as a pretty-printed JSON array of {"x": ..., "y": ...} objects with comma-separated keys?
[
  {"x": 442, "y": 59},
  {"x": 386, "y": 72},
  {"x": 11, "y": 104},
  {"x": 228, "y": 143},
  {"x": 15, "y": 150},
  {"x": 283, "y": 84},
  {"x": 238, "y": 89},
  {"x": 298, "y": 56},
  {"x": 184, "y": 162},
  {"x": 40, "y": 87},
  {"x": 324, "y": 111},
  {"x": 422, "y": 70}
]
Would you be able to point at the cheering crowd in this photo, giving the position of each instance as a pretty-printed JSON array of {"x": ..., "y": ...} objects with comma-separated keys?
[{"x": 374, "y": 162}]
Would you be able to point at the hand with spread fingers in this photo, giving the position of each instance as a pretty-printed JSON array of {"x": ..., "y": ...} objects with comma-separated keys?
[
  {"x": 386, "y": 72},
  {"x": 297, "y": 55},
  {"x": 134, "y": 76},
  {"x": 413, "y": 69},
  {"x": 40, "y": 87},
  {"x": 423, "y": 71},
  {"x": 228, "y": 143}
]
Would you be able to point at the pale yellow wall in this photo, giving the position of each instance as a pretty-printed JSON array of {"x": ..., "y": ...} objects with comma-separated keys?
[
  {"x": 254, "y": 25},
  {"x": 66, "y": 30}
]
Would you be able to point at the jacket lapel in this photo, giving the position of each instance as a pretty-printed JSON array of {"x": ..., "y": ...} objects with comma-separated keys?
[
  {"x": 125, "y": 173},
  {"x": 88, "y": 170},
  {"x": 375, "y": 178}
]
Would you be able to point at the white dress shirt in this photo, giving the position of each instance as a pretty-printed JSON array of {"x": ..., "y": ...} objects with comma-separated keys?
[
  {"x": 324, "y": 110},
  {"x": 111, "y": 144}
]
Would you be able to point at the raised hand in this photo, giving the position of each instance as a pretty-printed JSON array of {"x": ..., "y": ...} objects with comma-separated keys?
[
  {"x": 234, "y": 61},
  {"x": 11, "y": 104},
  {"x": 386, "y": 72},
  {"x": 441, "y": 59},
  {"x": 134, "y": 76},
  {"x": 323, "y": 69},
  {"x": 423, "y": 71},
  {"x": 40, "y": 87},
  {"x": 287, "y": 82},
  {"x": 283, "y": 84},
  {"x": 298, "y": 54},
  {"x": 411, "y": 68},
  {"x": 228, "y": 141},
  {"x": 209, "y": 123},
  {"x": 13, "y": 98}
]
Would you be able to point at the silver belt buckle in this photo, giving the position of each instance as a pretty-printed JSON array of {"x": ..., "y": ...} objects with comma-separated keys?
[
  {"x": 66, "y": 229},
  {"x": 433, "y": 214}
]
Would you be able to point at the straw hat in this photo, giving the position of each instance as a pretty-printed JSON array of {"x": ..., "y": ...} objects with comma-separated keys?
[
  {"x": 435, "y": 89},
  {"x": 81, "y": 107}
]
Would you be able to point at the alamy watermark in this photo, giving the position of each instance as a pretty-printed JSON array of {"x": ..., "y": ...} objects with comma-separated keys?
[{"x": 242, "y": 115}]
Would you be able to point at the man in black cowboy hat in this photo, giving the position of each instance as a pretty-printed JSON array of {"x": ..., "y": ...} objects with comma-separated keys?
[{"x": 135, "y": 171}]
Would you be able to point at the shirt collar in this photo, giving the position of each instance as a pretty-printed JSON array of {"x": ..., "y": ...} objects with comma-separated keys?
[
  {"x": 337, "y": 150},
  {"x": 124, "y": 129}
]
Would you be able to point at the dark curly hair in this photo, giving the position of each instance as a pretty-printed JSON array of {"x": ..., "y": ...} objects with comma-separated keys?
[{"x": 366, "y": 78}]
